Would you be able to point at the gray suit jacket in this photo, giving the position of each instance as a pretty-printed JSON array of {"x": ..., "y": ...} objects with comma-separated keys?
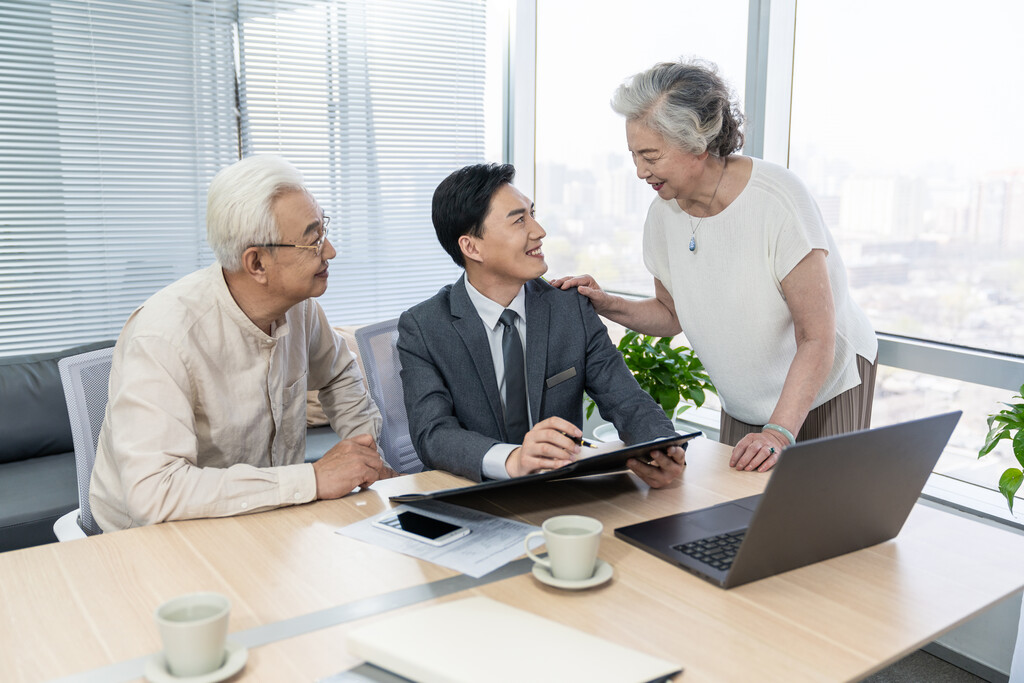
[{"x": 451, "y": 390}]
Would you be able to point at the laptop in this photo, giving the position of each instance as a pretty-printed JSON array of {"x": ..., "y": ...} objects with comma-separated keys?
[{"x": 826, "y": 497}]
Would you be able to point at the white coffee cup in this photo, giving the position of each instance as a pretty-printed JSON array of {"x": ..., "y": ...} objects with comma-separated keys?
[
  {"x": 572, "y": 542},
  {"x": 194, "y": 630}
]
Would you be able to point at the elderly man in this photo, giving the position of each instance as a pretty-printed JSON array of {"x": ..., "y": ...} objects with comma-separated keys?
[
  {"x": 207, "y": 409},
  {"x": 494, "y": 366}
]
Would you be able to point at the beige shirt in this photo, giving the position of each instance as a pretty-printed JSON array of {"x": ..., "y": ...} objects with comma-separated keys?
[{"x": 207, "y": 414}]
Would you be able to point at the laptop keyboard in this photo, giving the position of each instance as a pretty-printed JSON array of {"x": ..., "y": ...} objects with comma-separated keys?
[{"x": 718, "y": 551}]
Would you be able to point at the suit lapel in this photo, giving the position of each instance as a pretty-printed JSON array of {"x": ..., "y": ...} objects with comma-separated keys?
[
  {"x": 470, "y": 328},
  {"x": 538, "y": 315}
]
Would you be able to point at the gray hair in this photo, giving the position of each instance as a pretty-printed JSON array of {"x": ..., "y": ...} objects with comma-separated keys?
[
  {"x": 240, "y": 205},
  {"x": 687, "y": 103}
]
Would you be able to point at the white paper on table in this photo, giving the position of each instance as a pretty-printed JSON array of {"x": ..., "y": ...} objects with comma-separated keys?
[{"x": 491, "y": 543}]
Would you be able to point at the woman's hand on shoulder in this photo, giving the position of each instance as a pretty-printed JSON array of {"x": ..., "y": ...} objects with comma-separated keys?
[
  {"x": 588, "y": 287},
  {"x": 568, "y": 281}
]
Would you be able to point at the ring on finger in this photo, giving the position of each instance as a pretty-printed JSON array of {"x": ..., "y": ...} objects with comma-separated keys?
[{"x": 771, "y": 451}]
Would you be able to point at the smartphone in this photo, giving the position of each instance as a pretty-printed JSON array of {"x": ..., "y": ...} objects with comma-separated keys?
[{"x": 422, "y": 527}]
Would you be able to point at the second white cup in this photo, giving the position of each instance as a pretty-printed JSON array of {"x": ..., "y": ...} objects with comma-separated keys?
[
  {"x": 194, "y": 631},
  {"x": 572, "y": 542}
]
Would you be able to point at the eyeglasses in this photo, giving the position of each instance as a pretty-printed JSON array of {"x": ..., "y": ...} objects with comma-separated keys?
[{"x": 317, "y": 247}]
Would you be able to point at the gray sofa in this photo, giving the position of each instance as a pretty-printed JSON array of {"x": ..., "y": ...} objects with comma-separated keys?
[
  {"x": 38, "y": 481},
  {"x": 38, "y": 478}
]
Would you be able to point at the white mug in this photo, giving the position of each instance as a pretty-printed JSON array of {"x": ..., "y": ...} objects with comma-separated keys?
[
  {"x": 572, "y": 542},
  {"x": 194, "y": 630}
]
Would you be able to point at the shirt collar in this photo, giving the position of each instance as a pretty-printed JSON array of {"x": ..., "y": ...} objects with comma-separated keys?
[
  {"x": 278, "y": 329},
  {"x": 489, "y": 311}
]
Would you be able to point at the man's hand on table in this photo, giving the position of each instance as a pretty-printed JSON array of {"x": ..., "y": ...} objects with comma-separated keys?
[{"x": 349, "y": 464}]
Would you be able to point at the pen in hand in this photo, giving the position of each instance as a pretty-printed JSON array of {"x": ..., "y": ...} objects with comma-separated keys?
[{"x": 580, "y": 441}]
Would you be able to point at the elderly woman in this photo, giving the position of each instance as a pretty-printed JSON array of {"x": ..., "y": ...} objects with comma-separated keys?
[{"x": 744, "y": 265}]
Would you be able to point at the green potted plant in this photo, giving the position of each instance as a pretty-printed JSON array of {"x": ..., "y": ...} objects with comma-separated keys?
[
  {"x": 673, "y": 376},
  {"x": 1008, "y": 423}
]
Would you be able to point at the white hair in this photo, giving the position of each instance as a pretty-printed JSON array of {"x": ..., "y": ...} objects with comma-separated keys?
[
  {"x": 687, "y": 103},
  {"x": 240, "y": 205}
]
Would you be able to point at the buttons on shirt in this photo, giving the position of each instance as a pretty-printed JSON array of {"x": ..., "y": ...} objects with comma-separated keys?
[
  {"x": 297, "y": 496},
  {"x": 245, "y": 505}
]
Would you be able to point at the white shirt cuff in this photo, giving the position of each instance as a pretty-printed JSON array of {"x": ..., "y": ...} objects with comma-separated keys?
[{"x": 493, "y": 466}]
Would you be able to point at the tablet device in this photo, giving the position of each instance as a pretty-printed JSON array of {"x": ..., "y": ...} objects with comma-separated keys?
[{"x": 602, "y": 463}]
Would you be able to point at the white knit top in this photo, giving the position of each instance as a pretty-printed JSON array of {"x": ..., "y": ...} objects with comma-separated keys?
[{"x": 728, "y": 293}]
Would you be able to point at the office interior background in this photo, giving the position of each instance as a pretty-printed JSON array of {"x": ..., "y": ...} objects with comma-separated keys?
[{"x": 115, "y": 115}]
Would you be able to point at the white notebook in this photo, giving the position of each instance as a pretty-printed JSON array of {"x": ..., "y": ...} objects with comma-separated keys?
[{"x": 479, "y": 639}]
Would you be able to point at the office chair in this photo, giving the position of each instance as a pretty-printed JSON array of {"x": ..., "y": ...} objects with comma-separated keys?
[
  {"x": 85, "y": 378},
  {"x": 381, "y": 363}
]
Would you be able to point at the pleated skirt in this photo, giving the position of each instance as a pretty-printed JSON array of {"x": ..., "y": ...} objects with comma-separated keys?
[{"x": 847, "y": 412}]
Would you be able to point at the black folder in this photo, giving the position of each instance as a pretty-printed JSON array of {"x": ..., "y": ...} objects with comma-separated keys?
[{"x": 604, "y": 463}]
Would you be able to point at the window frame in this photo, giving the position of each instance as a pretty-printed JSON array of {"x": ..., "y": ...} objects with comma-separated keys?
[
  {"x": 770, "y": 67},
  {"x": 767, "y": 100}
]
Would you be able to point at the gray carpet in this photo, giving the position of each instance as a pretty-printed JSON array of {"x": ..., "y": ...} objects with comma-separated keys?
[{"x": 920, "y": 666}]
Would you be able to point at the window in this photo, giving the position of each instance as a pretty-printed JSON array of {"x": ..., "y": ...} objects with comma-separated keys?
[
  {"x": 375, "y": 102},
  {"x": 114, "y": 116},
  {"x": 910, "y": 149},
  {"x": 112, "y": 122},
  {"x": 588, "y": 196}
]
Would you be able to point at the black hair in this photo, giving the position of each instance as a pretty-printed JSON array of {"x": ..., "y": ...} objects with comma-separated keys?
[{"x": 461, "y": 203}]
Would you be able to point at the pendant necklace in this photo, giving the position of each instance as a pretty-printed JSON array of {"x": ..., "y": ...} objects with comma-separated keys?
[{"x": 693, "y": 228}]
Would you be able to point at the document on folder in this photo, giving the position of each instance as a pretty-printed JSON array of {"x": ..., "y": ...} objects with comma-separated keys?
[{"x": 479, "y": 639}]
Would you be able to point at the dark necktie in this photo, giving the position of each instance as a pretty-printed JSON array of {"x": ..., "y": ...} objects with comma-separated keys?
[{"x": 517, "y": 420}]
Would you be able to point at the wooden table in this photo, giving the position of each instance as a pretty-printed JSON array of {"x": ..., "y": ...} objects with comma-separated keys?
[{"x": 73, "y": 607}]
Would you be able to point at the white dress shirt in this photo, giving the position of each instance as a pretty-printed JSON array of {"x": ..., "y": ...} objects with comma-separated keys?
[{"x": 489, "y": 312}]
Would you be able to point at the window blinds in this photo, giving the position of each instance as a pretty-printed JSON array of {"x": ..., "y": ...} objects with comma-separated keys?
[
  {"x": 113, "y": 118},
  {"x": 115, "y": 115},
  {"x": 375, "y": 101}
]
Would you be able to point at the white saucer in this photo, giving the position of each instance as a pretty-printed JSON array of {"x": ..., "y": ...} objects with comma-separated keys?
[
  {"x": 156, "y": 668},
  {"x": 602, "y": 573}
]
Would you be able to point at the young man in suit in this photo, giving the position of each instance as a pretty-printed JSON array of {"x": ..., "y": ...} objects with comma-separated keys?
[{"x": 474, "y": 409}]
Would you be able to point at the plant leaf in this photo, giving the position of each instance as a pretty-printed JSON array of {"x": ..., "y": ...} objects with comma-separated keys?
[
  {"x": 1009, "y": 483},
  {"x": 1018, "y": 446},
  {"x": 994, "y": 436},
  {"x": 672, "y": 357},
  {"x": 696, "y": 394},
  {"x": 645, "y": 362},
  {"x": 667, "y": 398},
  {"x": 1008, "y": 420},
  {"x": 663, "y": 345},
  {"x": 664, "y": 376},
  {"x": 670, "y": 375}
]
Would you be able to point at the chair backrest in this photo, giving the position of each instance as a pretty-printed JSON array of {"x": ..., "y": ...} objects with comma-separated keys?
[
  {"x": 378, "y": 351},
  {"x": 85, "y": 378}
]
